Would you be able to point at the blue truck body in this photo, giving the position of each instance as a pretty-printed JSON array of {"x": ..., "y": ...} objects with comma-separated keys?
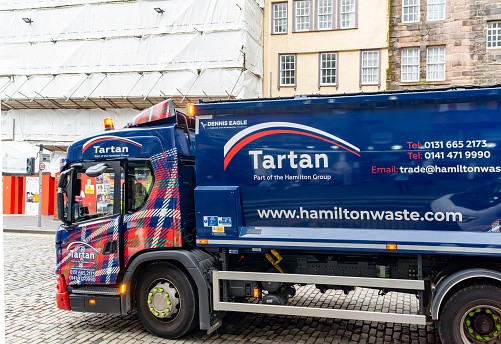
[
  {"x": 393, "y": 190},
  {"x": 355, "y": 172}
]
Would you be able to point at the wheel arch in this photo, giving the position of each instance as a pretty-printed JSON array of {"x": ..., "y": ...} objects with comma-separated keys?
[
  {"x": 456, "y": 281},
  {"x": 193, "y": 263}
]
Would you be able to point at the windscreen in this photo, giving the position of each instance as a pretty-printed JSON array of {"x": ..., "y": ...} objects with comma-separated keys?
[{"x": 94, "y": 196}]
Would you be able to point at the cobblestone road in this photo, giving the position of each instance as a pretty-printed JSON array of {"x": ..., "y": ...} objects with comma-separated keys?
[{"x": 31, "y": 315}]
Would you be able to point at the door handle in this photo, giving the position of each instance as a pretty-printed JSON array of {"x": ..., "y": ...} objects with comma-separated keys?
[{"x": 110, "y": 247}]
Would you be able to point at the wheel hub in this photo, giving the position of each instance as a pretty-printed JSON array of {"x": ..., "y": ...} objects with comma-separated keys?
[
  {"x": 163, "y": 300},
  {"x": 482, "y": 325},
  {"x": 160, "y": 301}
]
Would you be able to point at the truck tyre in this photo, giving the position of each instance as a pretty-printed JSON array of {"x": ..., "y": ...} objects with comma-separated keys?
[
  {"x": 166, "y": 301},
  {"x": 472, "y": 315}
]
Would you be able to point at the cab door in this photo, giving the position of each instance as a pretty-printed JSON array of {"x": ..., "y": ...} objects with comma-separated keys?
[{"x": 90, "y": 241}]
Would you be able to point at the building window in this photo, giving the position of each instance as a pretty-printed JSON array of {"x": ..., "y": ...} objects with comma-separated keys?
[
  {"x": 325, "y": 14},
  {"x": 328, "y": 69},
  {"x": 435, "y": 64},
  {"x": 494, "y": 34},
  {"x": 410, "y": 11},
  {"x": 410, "y": 65},
  {"x": 436, "y": 10},
  {"x": 280, "y": 18},
  {"x": 287, "y": 70},
  {"x": 348, "y": 14},
  {"x": 302, "y": 15},
  {"x": 370, "y": 67}
]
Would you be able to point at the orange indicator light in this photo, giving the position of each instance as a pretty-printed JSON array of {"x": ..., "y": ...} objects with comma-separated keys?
[
  {"x": 123, "y": 288},
  {"x": 92, "y": 301},
  {"x": 203, "y": 241},
  {"x": 257, "y": 293},
  {"x": 391, "y": 246},
  {"x": 190, "y": 109},
  {"x": 108, "y": 124}
]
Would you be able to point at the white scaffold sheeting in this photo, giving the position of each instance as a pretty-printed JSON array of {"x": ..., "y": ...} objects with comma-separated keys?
[
  {"x": 214, "y": 82},
  {"x": 159, "y": 53},
  {"x": 16, "y": 153},
  {"x": 138, "y": 18},
  {"x": 33, "y": 4},
  {"x": 59, "y": 126},
  {"x": 127, "y": 49}
]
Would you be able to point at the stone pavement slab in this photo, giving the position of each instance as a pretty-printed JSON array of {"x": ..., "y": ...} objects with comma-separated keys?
[
  {"x": 31, "y": 315},
  {"x": 29, "y": 224}
]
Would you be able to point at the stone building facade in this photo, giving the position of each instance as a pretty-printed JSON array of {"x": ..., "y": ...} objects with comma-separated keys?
[
  {"x": 442, "y": 43},
  {"x": 324, "y": 46}
]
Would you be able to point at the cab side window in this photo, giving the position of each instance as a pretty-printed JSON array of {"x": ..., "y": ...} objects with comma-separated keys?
[{"x": 140, "y": 182}]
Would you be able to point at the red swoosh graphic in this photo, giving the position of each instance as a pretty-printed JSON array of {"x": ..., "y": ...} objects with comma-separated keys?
[
  {"x": 251, "y": 138},
  {"x": 106, "y": 139}
]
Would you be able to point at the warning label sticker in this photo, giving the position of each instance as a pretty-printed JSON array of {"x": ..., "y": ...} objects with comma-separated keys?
[
  {"x": 216, "y": 221},
  {"x": 224, "y": 221},
  {"x": 210, "y": 221}
]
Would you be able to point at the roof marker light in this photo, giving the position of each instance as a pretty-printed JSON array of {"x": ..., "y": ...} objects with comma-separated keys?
[
  {"x": 108, "y": 124},
  {"x": 190, "y": 109}
]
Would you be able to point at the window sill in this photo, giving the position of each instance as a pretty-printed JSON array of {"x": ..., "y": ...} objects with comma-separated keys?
[
  {"x": 279, "y": 33},
  {"x": 328, "y": 85},
  {"x": 324, "y": 30},
  {"x": 424, "y": 83}
]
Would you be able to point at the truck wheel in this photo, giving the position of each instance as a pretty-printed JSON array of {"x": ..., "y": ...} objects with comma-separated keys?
[
  {"x": 472, "y": 316},
  {"x": 166, "y": 301}
]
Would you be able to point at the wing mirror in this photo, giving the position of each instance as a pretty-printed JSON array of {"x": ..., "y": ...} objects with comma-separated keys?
[{"x": 96, "y": 170}]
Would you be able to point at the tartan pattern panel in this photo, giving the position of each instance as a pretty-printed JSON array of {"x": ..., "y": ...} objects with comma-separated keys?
[
  {"x": 158, "y": 223},
  {"x": 162, "y": 110},
  {"x": 81, "y": 260}
]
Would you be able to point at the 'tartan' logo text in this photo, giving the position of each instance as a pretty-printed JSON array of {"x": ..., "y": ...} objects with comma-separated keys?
[
  {"x": 289, "y": 160},
  {"x": 82, "y": 253},
  {"x": 110, "y": 150},
  {"x": 99, "y": 149},
  {"x": 292, "y": 160}
]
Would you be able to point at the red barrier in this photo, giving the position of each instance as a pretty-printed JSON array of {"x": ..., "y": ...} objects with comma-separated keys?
[{"x": 14, "y": 194}]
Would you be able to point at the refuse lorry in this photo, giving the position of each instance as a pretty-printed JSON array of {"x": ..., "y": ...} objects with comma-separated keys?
[{"x": 233, "y": 205}]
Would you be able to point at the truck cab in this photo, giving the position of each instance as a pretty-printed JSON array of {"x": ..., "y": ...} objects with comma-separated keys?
[{"x": 122, "y": 192}]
